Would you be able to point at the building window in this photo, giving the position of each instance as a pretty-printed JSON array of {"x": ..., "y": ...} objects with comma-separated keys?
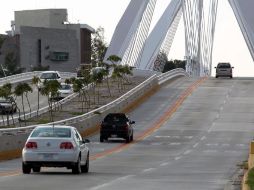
[
  {"x": 59, "y": 56},
  {"x": 39, "y": 51}
]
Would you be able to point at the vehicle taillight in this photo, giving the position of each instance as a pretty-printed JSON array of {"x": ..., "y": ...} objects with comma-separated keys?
[
  {"x": 31, "y": 145},
  {"x": 126, "y": 127},
  {"x": 66, "y": 145}
]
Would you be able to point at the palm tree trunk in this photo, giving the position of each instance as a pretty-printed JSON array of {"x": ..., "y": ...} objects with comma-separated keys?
[
  {"x": 38, "y": 102},
  {"x": 28, "y": 104},
  {"x": 22, "y": 98}
]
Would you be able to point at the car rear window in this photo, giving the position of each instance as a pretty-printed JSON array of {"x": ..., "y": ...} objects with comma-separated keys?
[
  {"x": 49, "y": 76},
  {"x": 52, "y": 132},
  {"x": 224, "y": 65},
  {"x": 116, "y": 118}
]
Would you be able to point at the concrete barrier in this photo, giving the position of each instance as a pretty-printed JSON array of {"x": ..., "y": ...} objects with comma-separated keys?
[{"x": 13, "y": 139}]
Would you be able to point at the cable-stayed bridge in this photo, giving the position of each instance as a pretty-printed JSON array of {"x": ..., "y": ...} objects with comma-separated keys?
[{"x": 139, "y": 48}]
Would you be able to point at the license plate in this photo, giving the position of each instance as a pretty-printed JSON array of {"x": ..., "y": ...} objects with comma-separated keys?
[{"x": 48, "y": 156}]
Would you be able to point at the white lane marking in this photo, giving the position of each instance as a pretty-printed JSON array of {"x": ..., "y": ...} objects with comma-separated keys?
[
  {"x": 162, "y": 136},
  {"x": 176, "y": 137},
  {"x": 110, "y": 183},
  {"x": 210, "y": 151},
  {"x": 188, "y": 137},
  {"x": 149, "y": 169},
  {"x": 175, "y": 143},
  {"x": 241, "y": 145},
  {"x": 164, "y": 164},
  {"x": 231, "y": 151},
  {"x": 203, "y": 138},
  {"x": 212, "y": 144},
  {"x": 187, "y": 152},
  {"x": 225, "y": 145},
  {"x": 195, "y": 145},
  {"x": 177, "y": 158},
  {"x": 156, "y": 143}
]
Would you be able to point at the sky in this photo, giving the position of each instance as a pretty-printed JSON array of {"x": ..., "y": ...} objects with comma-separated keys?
[{"x": 229, "y": 44}]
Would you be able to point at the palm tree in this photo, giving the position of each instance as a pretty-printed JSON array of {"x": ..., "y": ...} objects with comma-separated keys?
[
  {"x": 19, "y": 91},
  {"x": 35, "y": 81},
  {"x": 97, "y": 78},
  {"x": 106, "y": 72},
  {"x": 27, "y": 88},
  {"x": 50, "y": 89},
  {"x": 114, "y": 59}
]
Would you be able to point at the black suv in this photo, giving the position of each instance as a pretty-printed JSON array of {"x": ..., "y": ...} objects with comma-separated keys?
[{"x": 116, "y": 125}]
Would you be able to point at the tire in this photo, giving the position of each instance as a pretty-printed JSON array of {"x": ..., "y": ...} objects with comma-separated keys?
[
  {"x": 85, "y": 168},
  {"x": 36, "y": 169},
  {"x": 101, "y": 138},
  {"x": 77, "y": 167},
  {"x": 128, "y": 139},
  {"x": 216, "y": 76},
  {"x": 132, "y": 137},
  {"x": 26, "y": 169}
]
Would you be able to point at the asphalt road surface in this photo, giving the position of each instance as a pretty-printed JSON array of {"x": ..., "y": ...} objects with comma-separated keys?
[{"x": 186, "y": 138}]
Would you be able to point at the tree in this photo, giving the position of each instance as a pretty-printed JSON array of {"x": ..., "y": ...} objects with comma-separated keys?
[
  {"x": 173, "y": 64},
  {"x": 99, "y": 47},
  {"x": 11, "y": 64},
  {"x": 35, "y": 81},
  {"x": 5, "y": 92},
  {"x": 114, "y": 59},
  {"x": 50, "y": 89},
  {"x": 19, "y": 91},
  {"x": 97, "y": 77},
  {"x": 27, "y": 88}
]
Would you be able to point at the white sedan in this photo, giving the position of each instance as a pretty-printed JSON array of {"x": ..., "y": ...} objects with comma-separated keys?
[
  {"x": 65, "y": 90},
  {"x": 55, "y": 146}
]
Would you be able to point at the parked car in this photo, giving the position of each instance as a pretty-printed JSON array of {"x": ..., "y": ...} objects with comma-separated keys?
[
  {"x": 116, "y": 125},
  {"x": 224, "y": 70},
  {"x": 49, "y": 75},
  {"x": 55, "y": 146},
  {"x": 7, "y": 105}
]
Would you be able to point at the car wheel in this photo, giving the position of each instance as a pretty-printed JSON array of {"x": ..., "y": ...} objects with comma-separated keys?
[
  {"x": 216, "y": 76},
  {"x": 128, "y": 139},
  {"x": 85, "y": 168},
  {"x": 77, "y": 167},
  {"x": 36, "y": 169},
  {"x": 132, "y": 137},
  {"x": 26, "y": 169},
  {"x": 101, "y": 138}
]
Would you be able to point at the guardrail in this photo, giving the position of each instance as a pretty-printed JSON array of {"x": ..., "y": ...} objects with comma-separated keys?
[
  {"x": 92, "y": 118},
  {"x": 29, "y": 75}
]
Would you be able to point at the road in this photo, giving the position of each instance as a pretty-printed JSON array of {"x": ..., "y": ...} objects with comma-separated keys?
[
  {"x": 33, "y": 100},
  {"x": 181, "y": 142}
]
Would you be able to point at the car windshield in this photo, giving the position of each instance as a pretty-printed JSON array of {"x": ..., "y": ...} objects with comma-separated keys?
[
  {"x": 115, "y": 118},
  {"x": 224, "y": 65},
  {"x": 49, "y": 76},
  {"x": 52, "y": 132},
  {"x": 65, "y": 87},
  {"x": 3, "y": 100}
]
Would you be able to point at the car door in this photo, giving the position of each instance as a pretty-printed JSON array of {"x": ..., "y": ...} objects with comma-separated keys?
[{"x": 82, "y": 146}]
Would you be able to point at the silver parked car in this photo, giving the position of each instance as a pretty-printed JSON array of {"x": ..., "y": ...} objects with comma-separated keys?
[
  {"x": 224, "y": 70},
  {"x": 55, "y": 146}
]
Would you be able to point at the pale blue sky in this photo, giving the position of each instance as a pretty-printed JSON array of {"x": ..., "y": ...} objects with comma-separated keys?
[{"x": 229, "y": 44}]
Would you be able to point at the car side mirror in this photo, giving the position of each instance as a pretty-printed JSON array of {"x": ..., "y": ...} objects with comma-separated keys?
[
  {"x": 132, "y": 122},
  {"x": 215, "y": 67},
  {"x": 86, "y": 141},
  {"x": 232, "y": 67}
]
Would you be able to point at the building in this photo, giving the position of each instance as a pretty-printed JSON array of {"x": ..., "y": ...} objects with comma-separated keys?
[{"x": 47, "y": 39}]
